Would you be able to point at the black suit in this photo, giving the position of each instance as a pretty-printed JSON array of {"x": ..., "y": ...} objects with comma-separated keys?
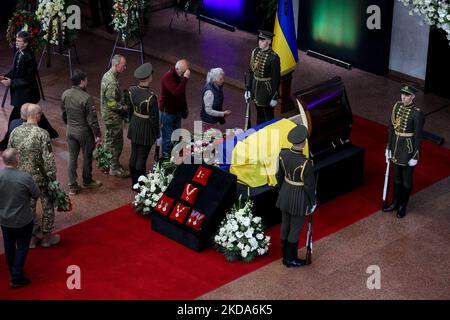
[{"x": 24, "y": 89}]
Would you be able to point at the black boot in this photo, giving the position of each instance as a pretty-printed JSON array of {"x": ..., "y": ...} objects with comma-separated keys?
[
  {"x": 405, "y": 198},
  {"x": 396, "y": 202},
  {"x": 283, "y": 250},
  {"x": 292, "y": 261}
]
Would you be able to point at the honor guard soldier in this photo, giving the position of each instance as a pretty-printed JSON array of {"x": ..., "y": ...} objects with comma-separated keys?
[
  {"x": 297, "y": 195},
  {"x": 405, "y": 133},
  {"x": 143, "y": 130},
  {"x": 264, "y": 78}
]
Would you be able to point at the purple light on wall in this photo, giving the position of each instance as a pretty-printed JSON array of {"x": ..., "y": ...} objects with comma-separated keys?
[{"x": 230, "y": 6}]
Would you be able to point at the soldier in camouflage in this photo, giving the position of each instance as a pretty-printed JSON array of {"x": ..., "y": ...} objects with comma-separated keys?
[
  {"x": 405, "y": 133},
  {"x": 264, "y": 78},
  {"x": 113, "y": 112},
  {"x": 35, "y": 152}
]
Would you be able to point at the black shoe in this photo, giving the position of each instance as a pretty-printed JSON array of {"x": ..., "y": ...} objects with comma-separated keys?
[
  {"x": 295, "y": 263},
  {"x": 401, "y": 213},
  {"x": 292, "y": 261},
  {"x": 22, "y": 282},
  {"x": 392, "y": 207}
]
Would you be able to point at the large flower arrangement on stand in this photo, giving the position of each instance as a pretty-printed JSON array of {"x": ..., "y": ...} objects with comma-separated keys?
[
  {"x": 52, "y": 15},
  {"x": 25, "y": 21},
  {"x": 241, "y": 236},
  {"x": 435, "y": 13},
  {"x": 128, "y": 18},
  {"x": 152, "y": 186}
]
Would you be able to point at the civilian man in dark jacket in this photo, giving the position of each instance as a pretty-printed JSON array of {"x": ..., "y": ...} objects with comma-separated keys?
[
  {"x": 173, "y": 105},
  {"x": 16, "y": 217},
  {"x": 297, "y": 196},
  {"x": 22, "y": 81}
]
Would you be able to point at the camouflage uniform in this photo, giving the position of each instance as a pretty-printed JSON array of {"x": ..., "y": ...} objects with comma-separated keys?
[
  {"x": 33, "y": 146},
  {"x": 112, "y": 113}
]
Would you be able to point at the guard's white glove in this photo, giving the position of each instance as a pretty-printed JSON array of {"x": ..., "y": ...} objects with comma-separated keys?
[
  {"x": 412, "y": 162},
  {"x": 388, "y": 155},
  {"x": 159, "y": 142},
  {"x": 273, "y": 103},
  {"x": 312, "y": 209},
  {"x": 247, "y": 95}
]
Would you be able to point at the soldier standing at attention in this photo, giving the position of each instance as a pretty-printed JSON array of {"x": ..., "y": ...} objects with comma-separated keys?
[
  {"x": 297, "y": 196},
  {"x": 35, "y": 152},
  {"x": 83, "y": 130},
  {"x": 404, "y": 136},
  {"x": 144, "y": 125},
  {"x": 264, "y": 78},
  {"x": 113, "y": 112}
]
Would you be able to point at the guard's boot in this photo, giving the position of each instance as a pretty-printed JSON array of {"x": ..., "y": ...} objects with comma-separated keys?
[
  {"x": 50, "y": 239},
  {"x": 133, "y": 178},
  {"x": 292, "y": 261},
  {"x": 396, "y": 202},
  {"x": 405, "y": 198},
  {"x": 283, "y": 250}
]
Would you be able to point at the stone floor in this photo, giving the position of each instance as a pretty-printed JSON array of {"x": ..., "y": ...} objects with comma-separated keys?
[{"x": 412, "y": 253}]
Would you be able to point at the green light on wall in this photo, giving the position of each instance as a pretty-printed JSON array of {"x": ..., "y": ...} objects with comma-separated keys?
[{"x": 336, "y": 22}]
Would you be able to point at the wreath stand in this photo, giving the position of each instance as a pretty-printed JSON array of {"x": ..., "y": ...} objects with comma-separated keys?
[
  {"x": 177, "y": 13},
  {"x": 51, "y": 50},
  {"x": 125, "y": 47}
]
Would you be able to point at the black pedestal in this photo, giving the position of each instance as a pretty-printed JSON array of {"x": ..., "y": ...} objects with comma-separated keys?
[
  {"x": 213, "y": 200},
  {"x": 339, "y": 173}
]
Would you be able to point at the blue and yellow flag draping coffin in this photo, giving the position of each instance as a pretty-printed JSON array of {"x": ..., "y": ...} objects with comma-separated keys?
[
  {"x": 285, "y": 41},
  {"x": 254, "y": 154}
]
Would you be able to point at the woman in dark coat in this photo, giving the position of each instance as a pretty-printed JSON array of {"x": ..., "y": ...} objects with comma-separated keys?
[{"x": 22, "y": 82}]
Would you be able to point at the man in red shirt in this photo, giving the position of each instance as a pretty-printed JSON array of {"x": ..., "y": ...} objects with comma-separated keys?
[{"x": 172, "y": 104}]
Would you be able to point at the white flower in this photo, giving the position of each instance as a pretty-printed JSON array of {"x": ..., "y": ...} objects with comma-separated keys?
[
  {"x": 240, "y": 245},
  {"x": 239, "y": 234}
]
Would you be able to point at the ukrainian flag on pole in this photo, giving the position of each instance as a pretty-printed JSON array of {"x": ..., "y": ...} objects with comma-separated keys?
[{"x": 285, "y": 42}]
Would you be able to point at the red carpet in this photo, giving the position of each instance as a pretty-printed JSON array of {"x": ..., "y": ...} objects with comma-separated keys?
[{"x": 121, "y": 258}]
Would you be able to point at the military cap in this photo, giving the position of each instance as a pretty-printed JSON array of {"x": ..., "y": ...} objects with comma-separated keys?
[
  {"x": 408, "y": 89},
  {"x": 144, "y": 71},
  {"x": 265, "y": 35},
  {"x": 298, "y": 134}
]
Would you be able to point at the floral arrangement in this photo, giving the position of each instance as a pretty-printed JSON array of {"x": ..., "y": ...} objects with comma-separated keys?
[
  {"x": 102, "y": 158},
  {"x": 241, "y": 236},
  {"x": 435, "y": 13},
  {"x": 128, "y": 18},
  {"x": 52, "y": 14},
  {"x": 61, "y": 200},
  {"x": 152, "y": 186},
  {"x": 24, "y": 21}
]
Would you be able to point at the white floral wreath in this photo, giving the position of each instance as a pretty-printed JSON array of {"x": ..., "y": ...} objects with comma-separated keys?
[{"x": 52, "y": 15}]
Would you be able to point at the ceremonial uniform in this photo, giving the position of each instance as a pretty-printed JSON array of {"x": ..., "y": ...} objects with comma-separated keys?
[
  {"x": 34, "y": 148},
  {"x": 112, "y": 112},
  {"x": 404, "y": 136},
  {"x": 296, "y": 197},
  {"x": 144, "y": 125},
  {"x": 264, "y": 79},
  {"x": 80, "y": 115}
]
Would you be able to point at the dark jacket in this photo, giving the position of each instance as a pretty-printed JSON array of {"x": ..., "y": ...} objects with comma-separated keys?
[
  {"x": 173, "y": 93},
  {"x": 24, "y": 87},
  {"x": 405, "y": 133},
  {"x": 144, "y": 123},
  {"x": 217, "y": 104},
  {"x": 296, "y": 180}
]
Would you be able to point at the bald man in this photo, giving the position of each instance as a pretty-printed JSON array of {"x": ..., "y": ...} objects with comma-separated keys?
[{"x": 172, "y": 103}]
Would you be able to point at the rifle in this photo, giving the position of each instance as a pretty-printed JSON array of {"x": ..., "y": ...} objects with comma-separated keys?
[
  {"x": 386, "y": 185},
  {"x": 309, "y": 240},
  {"x": 248, "y": 121}
]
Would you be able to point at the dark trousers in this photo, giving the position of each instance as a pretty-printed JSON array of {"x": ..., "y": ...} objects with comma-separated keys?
[
  {"x": 404, "y": 176},
  {"x": 291, "y": 227},
  {"x": 106, "y": 6},
  {"x": 17, "y": 242},
  {"x": 138, "y": 161},
  {"x": 86, "y": 143},
  {"x": 264, "y": 114}
]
